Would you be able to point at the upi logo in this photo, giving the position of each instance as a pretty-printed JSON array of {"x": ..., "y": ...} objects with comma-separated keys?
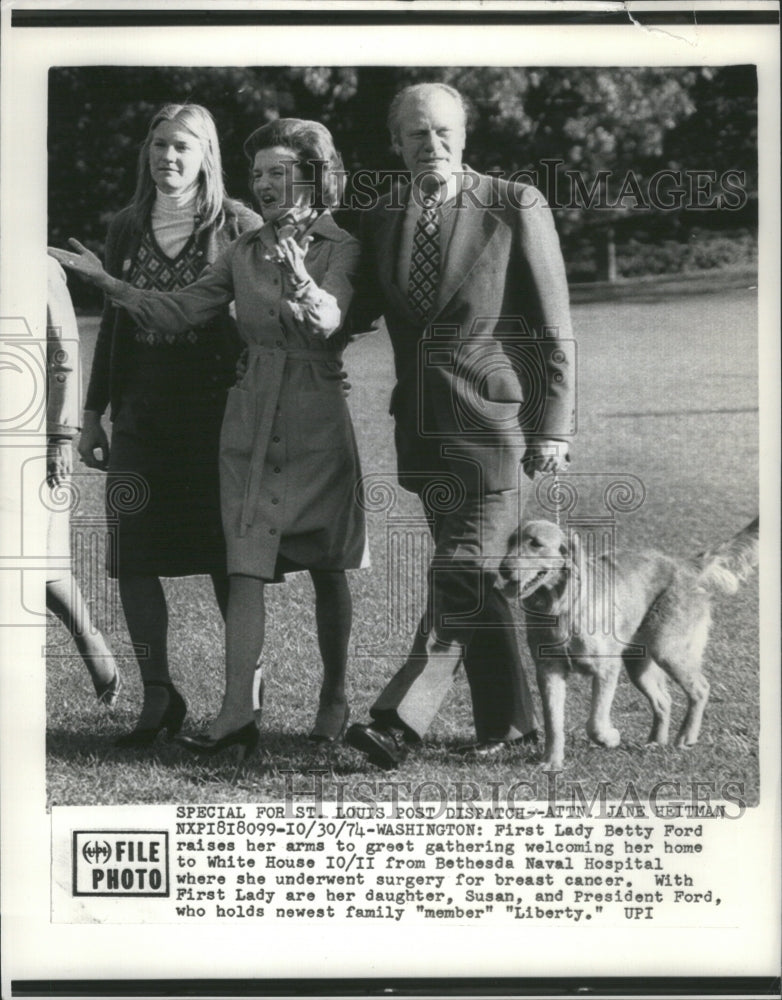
[{"x": 96, "y": 852}]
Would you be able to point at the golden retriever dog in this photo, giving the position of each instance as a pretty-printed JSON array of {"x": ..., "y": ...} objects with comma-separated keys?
[{"x": 591, "y": 612}]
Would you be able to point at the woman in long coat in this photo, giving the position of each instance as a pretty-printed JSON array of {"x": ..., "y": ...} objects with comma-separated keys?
[{"x": 289, "y": 469}]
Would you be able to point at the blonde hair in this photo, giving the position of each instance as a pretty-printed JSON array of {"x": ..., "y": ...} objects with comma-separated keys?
[{"x": 211, "y": 187}]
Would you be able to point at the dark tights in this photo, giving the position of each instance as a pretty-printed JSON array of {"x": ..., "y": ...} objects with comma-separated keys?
[
  {"x": 245, "y": 631},
  {"x": 146, "y": 614}
]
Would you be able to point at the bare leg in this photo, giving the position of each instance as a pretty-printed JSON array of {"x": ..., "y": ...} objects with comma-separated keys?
[
  {"x": 334, "y": 616},
  {"x": 244, "y": 634},
  {"x": 65, "y": 600}
]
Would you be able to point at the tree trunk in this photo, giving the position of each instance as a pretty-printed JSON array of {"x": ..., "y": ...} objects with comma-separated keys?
[{"x": 609, "y": 272}]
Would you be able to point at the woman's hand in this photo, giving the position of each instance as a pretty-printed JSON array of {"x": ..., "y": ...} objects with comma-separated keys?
[
  {"x": 83, "y": 262},
  {"x": 59, "y": 462},
  {"x": 290, "y": 256},
  {"x": 93, "y": 439},
  {"x": 293, "y": 256}
]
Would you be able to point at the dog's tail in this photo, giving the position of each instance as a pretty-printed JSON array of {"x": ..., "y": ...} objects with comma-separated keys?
[{"x": 727, "y": 566}]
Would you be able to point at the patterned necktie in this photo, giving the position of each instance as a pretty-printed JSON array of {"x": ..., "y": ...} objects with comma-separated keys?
[{"x": 425, "y": 260}]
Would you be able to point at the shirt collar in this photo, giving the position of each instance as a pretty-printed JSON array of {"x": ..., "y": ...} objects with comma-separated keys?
[
  {"x": 445, "y": 196},
  {"x": 324, "y": 225}
]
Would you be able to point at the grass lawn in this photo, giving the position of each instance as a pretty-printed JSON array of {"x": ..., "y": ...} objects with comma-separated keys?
[{"x": 667, "y": 393}]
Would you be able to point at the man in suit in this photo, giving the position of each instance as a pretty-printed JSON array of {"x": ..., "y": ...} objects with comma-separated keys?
[{"x": 470, "y": 279}]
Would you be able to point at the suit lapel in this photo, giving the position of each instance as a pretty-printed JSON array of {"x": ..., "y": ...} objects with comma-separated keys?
[{"x": 473, "y": 229}]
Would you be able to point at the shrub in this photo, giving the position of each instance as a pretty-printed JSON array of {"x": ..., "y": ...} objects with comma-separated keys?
[{"x": 636, "y": 257}]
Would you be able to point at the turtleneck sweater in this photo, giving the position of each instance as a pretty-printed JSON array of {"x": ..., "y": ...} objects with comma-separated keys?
[{"x": 173, "y": 218}]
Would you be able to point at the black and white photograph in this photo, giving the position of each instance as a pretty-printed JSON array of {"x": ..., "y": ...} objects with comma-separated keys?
[{"x": 390, "y": 514}]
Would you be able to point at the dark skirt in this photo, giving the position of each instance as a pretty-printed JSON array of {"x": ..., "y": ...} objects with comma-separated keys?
[{"x": 162, "y": 488}]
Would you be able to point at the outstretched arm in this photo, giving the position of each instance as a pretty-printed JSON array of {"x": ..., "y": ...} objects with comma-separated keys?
[{"x": 168, "y": 312}]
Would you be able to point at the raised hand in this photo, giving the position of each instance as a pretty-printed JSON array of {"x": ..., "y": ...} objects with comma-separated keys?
[
  {"x": 81, "y": 261},
  {"x": 290, "y": 256}
]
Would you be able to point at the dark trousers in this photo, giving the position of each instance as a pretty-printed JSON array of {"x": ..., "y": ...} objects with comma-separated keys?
[{"x": 468, "y": 621}]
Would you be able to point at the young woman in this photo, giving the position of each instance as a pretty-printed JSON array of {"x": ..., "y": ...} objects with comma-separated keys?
[{"x": 167, "y": 392}]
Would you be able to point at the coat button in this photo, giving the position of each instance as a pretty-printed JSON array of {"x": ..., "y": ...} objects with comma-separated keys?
[
  {"x": 272, "y": 531},
  {"x": 278, "y": 343},
  {"x": 275, "y": 500},
  {"x": 276, "y": 439},
  {"x": 277, "y": 468}
]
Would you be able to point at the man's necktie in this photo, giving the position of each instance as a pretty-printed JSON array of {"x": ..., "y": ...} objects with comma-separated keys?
[{"x": 425, "y": 260}]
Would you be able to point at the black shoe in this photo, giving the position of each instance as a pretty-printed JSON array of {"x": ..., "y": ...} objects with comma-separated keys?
[
  {"x": 489, "y": 749},
  {"x": 245, "y": 739},
  {"x": 384, "y": 745},
  {"x": 108, "y": 694},
  {"x": 330, "y": 724},
  {"x": 164, "y": 709}
]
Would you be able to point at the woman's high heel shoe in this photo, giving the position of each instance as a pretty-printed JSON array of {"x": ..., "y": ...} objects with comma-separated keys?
[
  {"x": 330, "y": 724},
  {"x": 245, "y": 739},
  {"x": 108, "y": 694},
  {"x": 164, "y": 709}
]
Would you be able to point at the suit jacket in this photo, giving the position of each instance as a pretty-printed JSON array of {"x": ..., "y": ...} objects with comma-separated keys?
[
  {"x": 492, "y": 366},
  {"x": 109, "y": 364}
]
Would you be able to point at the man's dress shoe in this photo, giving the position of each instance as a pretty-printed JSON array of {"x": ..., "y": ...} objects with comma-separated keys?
[{"x": 384, "y": 745}]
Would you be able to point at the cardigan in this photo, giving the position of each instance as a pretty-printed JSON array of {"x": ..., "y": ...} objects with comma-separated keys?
[{"x": 122, "y": 242}]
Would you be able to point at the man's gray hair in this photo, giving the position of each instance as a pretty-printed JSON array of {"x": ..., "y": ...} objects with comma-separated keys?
[{"x": 420, "y": 90}]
